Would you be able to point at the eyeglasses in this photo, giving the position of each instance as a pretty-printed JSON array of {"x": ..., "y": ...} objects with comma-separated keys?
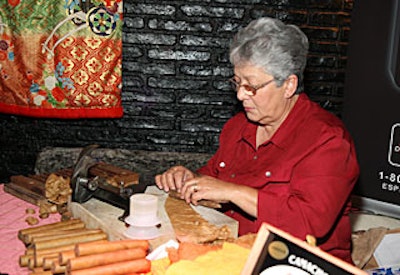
[{"x": 248, "y": 89}]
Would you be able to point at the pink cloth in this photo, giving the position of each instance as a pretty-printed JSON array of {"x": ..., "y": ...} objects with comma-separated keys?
[{"x": 12, "y": 219}]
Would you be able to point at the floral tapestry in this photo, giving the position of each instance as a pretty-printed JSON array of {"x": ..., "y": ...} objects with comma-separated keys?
[{"x": 61, "y": 58}]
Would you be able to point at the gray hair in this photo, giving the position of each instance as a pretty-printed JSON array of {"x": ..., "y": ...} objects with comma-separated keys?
[{"x": 269, "y": 43}]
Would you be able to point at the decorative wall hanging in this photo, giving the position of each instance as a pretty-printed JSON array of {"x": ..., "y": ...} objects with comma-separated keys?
[{"x": 61, "y": 58}]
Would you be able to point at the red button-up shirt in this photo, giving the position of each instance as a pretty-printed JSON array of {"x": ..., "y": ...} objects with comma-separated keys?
[{"x": 304, "y": 174}]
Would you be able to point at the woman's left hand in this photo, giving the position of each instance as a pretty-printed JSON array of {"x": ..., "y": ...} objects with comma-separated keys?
[{"x": 207, "y": 188}]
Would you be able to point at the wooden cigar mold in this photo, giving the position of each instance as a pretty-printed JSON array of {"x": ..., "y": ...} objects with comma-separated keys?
[{"x": 89, "y": 179}]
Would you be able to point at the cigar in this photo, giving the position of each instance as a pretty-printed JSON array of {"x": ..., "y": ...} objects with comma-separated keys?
[
  {"x": 54, "y": 249},
  {"x": 38, "y": 260},
  {"x": 48, "y": 261},
  {"x": 65, "y": 234},
  {"x": 89, "y": 261},
  {"x": 207, "y": 203},
  {"x": 56, "y": 268},
  {"x": 83, "y": 249},
  {"x": 24, "y": 260},
  {"x": 41, "y": 253},
  {"x": 29, "y": 251},
  {"x": 75, "y": 227},
  {"x": 58, "y": 251},
  {"x": 41, "y": 272},
  {"x": 51, "y": 226},
  {"x": 64, "y": 256},
  {"x": 38, "y": 269},
  {"x": 71, "y": 240},
  {"x": 31, "y": 263},
  {"x": 128, "y": 267}
]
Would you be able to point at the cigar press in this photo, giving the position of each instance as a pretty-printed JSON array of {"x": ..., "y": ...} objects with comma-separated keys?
[{"x": 108, "y": 183}]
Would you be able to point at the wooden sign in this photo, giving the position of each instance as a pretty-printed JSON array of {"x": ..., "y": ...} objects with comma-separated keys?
[{"x": 277, "y": 252}]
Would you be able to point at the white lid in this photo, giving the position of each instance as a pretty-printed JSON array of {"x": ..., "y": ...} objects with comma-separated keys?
[
  {"x": 142, "y": 220},
  {"x": 142, "y": 232},
  {"x": 143, "y": 210}
]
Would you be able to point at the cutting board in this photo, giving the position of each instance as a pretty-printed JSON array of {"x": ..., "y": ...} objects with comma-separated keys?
[{"x": 97, "y": 214}]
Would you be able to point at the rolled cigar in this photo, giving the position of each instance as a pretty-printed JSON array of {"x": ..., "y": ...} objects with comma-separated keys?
[
  {"x": 83, "y": 249},
  {"x": 24, "y": 260},
  {"x": 41, "y": 253},
  {"x": 41, "y": 272},
  {"x": 38, "y": 269},
  {"x": 64, "y": 256},
  {"x": 54, "y": 249},
  {"x": 31, "y": 263},
  {"x": 48, "y": 226},
  {"x": 75, "y": 227},
  {"x": 29, "y": 251},
  {"x": 65, "y": 234},
  {"x": 39, "y": 258},
  {"x": 71, "y": 240},
  {"x": 88, "y": 261},
  {"x": 62, "y": 224},
  {"x": 48, "y": 261},
  {"x": 135, "y": 266},
  {"x": 206, "y": 203},
  {"x": 56, "y": 268}
]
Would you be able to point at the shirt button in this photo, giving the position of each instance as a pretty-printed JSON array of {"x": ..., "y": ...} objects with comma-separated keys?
[
  {"x": 233, "y": 175},
  {"x": 268, "y": 174},
  {"x": 222, "y": 164},
  {"x": 255, "y": 157}
]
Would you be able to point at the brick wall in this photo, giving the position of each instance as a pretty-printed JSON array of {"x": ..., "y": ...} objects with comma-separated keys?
[{"x": 175, "y": 67}]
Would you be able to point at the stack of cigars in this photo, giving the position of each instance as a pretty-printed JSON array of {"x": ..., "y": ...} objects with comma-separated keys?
[{"x": 68, "y": 247}]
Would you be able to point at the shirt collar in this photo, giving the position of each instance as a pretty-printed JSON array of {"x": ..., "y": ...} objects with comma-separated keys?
[{"x": 281, "y": 138}]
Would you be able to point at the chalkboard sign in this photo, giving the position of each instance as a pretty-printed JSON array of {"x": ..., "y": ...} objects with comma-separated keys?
[{"x": 277, "y": 252}]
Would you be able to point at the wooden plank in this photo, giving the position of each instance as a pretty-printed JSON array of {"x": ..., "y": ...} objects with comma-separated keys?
[
  {"x": 23, "y": 193},
  {"x": 26, "y": 188},
  {"x": 114, "y": 175}
]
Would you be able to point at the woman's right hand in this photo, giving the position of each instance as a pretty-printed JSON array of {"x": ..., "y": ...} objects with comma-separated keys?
[{"x": 174, "y": 178}]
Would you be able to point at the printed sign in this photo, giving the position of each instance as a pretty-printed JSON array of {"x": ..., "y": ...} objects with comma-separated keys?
[
  {"x": 276, "y": 252},
  {"x": 371, "y": 108},
  {"x": 394, "y": 146}
]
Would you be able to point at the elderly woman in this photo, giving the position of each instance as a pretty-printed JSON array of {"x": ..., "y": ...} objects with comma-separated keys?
[{"x": 284, "y": 160}]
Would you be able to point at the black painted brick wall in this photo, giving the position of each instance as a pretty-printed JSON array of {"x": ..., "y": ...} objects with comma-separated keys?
[{"x": 175, "y": 67}]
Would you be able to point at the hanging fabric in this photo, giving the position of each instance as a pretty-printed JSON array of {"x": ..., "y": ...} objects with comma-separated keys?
[{"x": 61, "y": 58}]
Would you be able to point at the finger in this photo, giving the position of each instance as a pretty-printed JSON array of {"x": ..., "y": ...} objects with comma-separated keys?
[
  {"x": 185, "y": 186},
  {"x": 190, "y": 181},
  {"x": 179, "y": 179},
  {"x": 189, "y": 191},
  {"x": 169, "y": 181},
  {"x": 188, "y": 175},
  {"x": 157, "y": 180},
  {"x": 161, "y": 182}
]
